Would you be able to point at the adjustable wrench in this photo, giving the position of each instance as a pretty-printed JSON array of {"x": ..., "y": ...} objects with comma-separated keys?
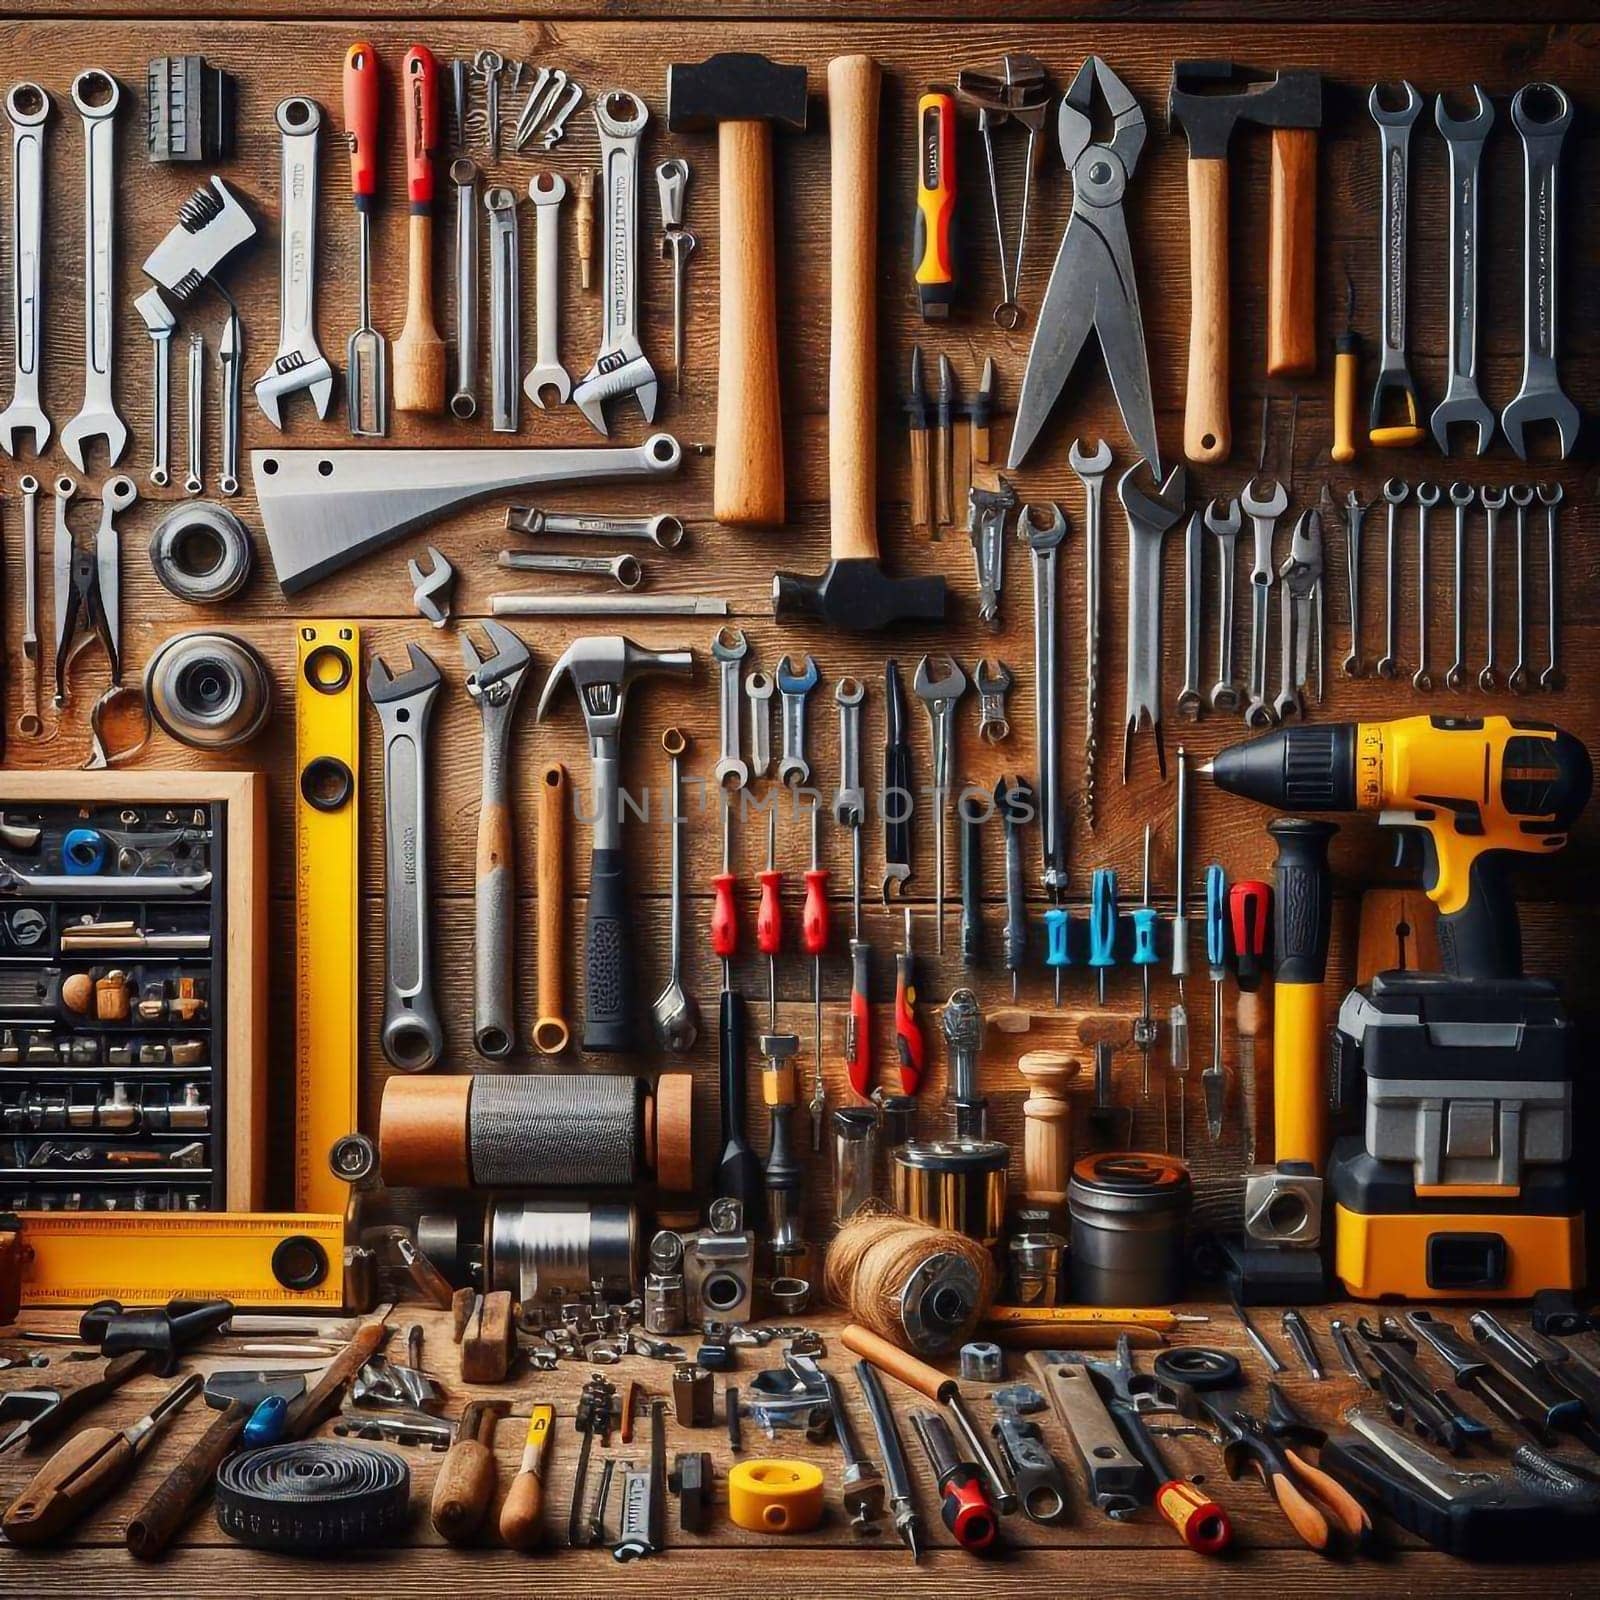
[
  {"x": 505, "y": 310},
  {"x": 1224, "y": 528},
  {"x": 28, "y": 107},
  {"x": 1395, "y": 491},
  {"x": 1427, "y": 499},
  {"x": 1461, "y": 497},
  {"x": 1355, "y": 513},
  {"x": 620, "y": 367},
  {"x": 1150, "y": 518},
  {"x": 494, "y": 685},
  {"x": 96, "y": 95},
  {"x": 1552, "y": 678},
  {"x": 1394, "y": 132},
  {"x": 1043, "y": 542},
  {"x": 729, "y": 647},
  {"x": 940, "y": 696},
  {"x": 464, "y": 401},
  {"x": 1464, "y": 137},
  {"x": 1521, "y": 680},
  {"x": 1493, "y": 502},
  {"x": 1263, "y": 515},
  {"x": 1541, "y": 397},
  {"x": 758, "y": 690},
  {"x": 1193, "y": 578},
  {"x": 157, "y": 317},
  {"x": 793, "y": 687},
  {"x": 299, "y": 363},
  {"x": 547, "y": 190},
  {"x": 412, "y": 1038},
  {"x": 1091, "y": 468}
]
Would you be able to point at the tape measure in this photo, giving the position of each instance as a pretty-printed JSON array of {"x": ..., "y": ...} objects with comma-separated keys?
[
  {"x": 327, "y": 888},
  {"x": 144, "y": 1258},
  {"x": 313, "y": 1494}
]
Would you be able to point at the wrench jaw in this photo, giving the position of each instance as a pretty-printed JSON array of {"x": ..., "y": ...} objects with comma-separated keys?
[
  {"x": 1537, "y": 405},
  {"x": 1464, "y": 410},
  {"x": 88, "y": 425},
  {"x": 290, "y": 372},
  {"x": 617, "y": 373}
]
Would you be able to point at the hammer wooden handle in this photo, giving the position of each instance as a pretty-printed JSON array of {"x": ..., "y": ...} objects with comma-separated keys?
[
  {"x": 1292, "y": 255},
  {"x": 551, "y": 1033},
  {"x": 854, "y": 86},
  {"x": 914, "y": 1374},
  {"x": 1206, "y": 433},
  {"x": 747, "y": 488}
]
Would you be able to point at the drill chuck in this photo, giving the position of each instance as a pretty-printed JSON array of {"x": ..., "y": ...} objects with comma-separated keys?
[{"x": 1310, "y": 768}]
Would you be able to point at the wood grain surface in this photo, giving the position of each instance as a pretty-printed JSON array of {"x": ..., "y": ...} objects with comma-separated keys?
[{"x": 1438, "y": 47}]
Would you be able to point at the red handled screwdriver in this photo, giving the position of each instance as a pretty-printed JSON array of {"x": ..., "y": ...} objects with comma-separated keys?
[
  {"x": 907, "y": 1030},
  {"x": 739, "y": 1173},
  {"x": 814, "y": 936},
  {"x": 1249, "y": 920},
  {"x": 963, "y": 1501}
]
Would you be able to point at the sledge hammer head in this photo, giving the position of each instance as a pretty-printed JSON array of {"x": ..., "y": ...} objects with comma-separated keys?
[
  {"x": 1207, "y": 114},
  {"x": 738, "y": 86},
  {"x": 856, "y": 594}
]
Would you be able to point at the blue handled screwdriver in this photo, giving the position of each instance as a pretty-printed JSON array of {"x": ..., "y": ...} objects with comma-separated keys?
[
  {"x": 1213, "y": 1081},
  {"x": 1144, "y": 957},
  {"x": 1055, "y": 934},
  {"x": 1102, "y": 923}
]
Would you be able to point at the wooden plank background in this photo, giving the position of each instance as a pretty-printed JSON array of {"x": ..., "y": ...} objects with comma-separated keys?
[{"x": 275, "y": 59}]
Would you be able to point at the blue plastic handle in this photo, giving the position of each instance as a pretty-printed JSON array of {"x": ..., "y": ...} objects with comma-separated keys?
[
  {"x": 1103, "y": 918},
  {"x": 1216, "y": 918}
]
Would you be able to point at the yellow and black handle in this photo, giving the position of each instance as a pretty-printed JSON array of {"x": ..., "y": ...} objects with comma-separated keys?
[{"x": 933, "y": 253}]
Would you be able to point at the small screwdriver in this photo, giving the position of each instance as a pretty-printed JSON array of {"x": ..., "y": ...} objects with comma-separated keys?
[
  {"x": 1249, "y": 914},
  {"x": 907, "y": 1030},
  {"x": 1214, "y": 1081},
  {"x": 1055, "y": 936},
  {"x": 1144, "y": 957},
  {"x": 814, "y": 936},
  {"x": 1102, "y": 924},
  {"x": 963, "y": 1502},
  {"x": 933, "y": 249}
]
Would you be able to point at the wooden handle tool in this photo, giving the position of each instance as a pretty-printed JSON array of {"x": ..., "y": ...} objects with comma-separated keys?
[
  {"x": 1292, "y": 255},
  {"x": 551, "y": 1033},
  {"x": 522, "y": 1515},
  {"x": 914, "y": 1374},
  {"x": 467, "y": 1477},
  {"x": 419, "y": 351},
  {"x": 1207, "y": 433}
]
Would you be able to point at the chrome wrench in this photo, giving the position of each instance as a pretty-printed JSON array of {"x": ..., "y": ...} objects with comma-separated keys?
[
  {"x": 663, "y": 530},
  {"x": 620, "y": 367},
  {"x": 1150, "y": 518},
  {"x": 157, "y": 317},
  {"x": 230, "y": 359},
  {"x": 1355, "y": 513},
  {"x": 729, "y": 647},
  {"x": 1427, "y": 499},
  {"x": 1394, "y": 133},
  {"x": 547, "y": 190},
  {"x": 1189, "y": 700},
  {"x": 1462, "y": 404},
  {"x": 195, "y": 482},
  {"x": 1461, "y": 497},
  {"x": 1541, "y": 397},
  {"x": 624, "y": 571},
  {"x": 96, "y": 94},
  {"x": 1521, "y": 680},
  {"x": 28, "y": 107},
  {"x": 1395, "y": 491},
  {"x": 1224, "y": 528},
  {"x": 29, "y": 724},
  {"x": 1091, "y": 468},
  {"x": 939, "y": 684},
  {"x": 412, "y": 1038},
  {"x": 1263, "y": 515},
  {"x": 759, "y": 690},
  {"x": 1552, "y": 678},
  {"x": 505, "y": 310},
  {"x": 1493, "y": 502},
  {"x": 1044, "y": 540},
  {"x": 793, "y": 687},
  {"x": 299, "y": 363},
  {"x": 464, "y": 400}
]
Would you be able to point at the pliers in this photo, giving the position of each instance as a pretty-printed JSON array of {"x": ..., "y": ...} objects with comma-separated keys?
[{"x": 1092, "y": 284}]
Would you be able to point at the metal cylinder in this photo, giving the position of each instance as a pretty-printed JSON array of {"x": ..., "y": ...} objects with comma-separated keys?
[
  {"x": 694, "y": 1399},
  {"x": 958, "y": 1184},
  {"x": 855, "y": 1159},
  {"x": 1129, "y": 1214},
  {"x": 545, "y": 1251},
  {"x": 1035, "y": 1261},
  {"x": 899, "y": 1120}
]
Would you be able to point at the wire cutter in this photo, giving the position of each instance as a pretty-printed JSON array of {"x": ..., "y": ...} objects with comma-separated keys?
[{"x": 1092, "y": 284}]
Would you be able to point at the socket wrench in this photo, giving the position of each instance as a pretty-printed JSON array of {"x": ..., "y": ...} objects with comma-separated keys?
[
  {"x": 28, "y": 107},
  {"x": 505, "y": 310},
  {"x": 547, "y": 190}
]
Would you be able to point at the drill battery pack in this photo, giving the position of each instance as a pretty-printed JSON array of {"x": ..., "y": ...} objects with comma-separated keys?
[{"x": 1461, "y": 1182}]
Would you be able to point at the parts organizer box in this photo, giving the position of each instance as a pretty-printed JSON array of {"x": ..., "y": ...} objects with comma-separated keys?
[{"x": 132, "y": 1020}]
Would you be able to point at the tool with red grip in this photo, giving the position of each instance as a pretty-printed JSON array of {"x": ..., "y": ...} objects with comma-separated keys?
[
  {"x": 769, "y": 917},
  {"x": 1249, "y": 914},
  {"x": 419, "y": 351},
  {"x": 933, "y": 252},
  {"x": 963, "y": 1502},
  {"x": 367, "y": 351},
  {"x": 739, "y": 1172},
  {"x": 814, "y": 937},
  {"x": 907, "y": 1030}
]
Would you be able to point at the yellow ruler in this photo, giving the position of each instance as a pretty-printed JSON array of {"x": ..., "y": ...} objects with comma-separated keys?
[
  {"x": 327, "y": 887},
  {"x": 146, "y": 1258}
]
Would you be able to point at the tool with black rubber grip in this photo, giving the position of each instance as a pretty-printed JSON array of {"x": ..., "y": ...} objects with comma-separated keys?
[{"x": 963, "y": 1503}]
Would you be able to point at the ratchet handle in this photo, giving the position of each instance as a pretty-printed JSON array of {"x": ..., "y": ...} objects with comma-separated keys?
[
  {"x": 361, "y": 120},
  {"x": 422, "y": 123},
  {"x": 608, "y": 964}
]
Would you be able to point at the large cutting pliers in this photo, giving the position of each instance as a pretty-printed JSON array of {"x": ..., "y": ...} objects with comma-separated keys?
[{"x": 1092, "y": 284}]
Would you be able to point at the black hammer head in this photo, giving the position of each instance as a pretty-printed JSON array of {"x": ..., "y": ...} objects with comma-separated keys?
[
  {"x": 856, "y": 594},
  {"x": 737, "y": 86},
  {"x": 1207, "y": 97}
]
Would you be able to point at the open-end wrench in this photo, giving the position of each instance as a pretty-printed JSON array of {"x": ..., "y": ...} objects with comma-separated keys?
[
  {"x": 494, "y": 685},
  {"x": 299, "y": 363},
  {"x": 29, "y": 724},
  {"x": 547, "y": 190},
  {"x": 729, "y": 647},
  {"x": 195, "y": 481},
  {"x": 1223, "y": 526},
  {"x": 1091, "y": 467},
  {"x": 505, "y": 310},
  {"x": 464, "y": 399},
  {"x": 794, "y": 685},
  {"x": 1150, "y": 517},
  {"x": 1461, "y": 497},
  {"x": 620, "y": 367},
  {"x": 1189, "y": 699},
  {"x": 1427, "y": 498},
  {"x": 624, "y": 570},
  {"x": 488, "y": 64},
  {"x": 1355, "y": 512},
  {"x": 1394, "y": 131},
  {"x": 157, "y": 317},
  {"x": 1541, "y": 397},
  {"x": 939, "y": 684},
  {"x": 1552, "y": 678},
  {"x": 1044, "y": 540},
  {"x": 1493, "y": 500},
  {"x": 1395, "y": 491},
  {"x": 412, "y": 1038},
  {"x": 28, "y": 107},
  {"x": 1263, "y": 512},
  {"x": 1462, "y": 404},
  {"x": 1520, "y": 680},
  {"x": 663, "y": 530},
  {"x": 759, "y": 690},
  {"x": 96, "y": 95}
]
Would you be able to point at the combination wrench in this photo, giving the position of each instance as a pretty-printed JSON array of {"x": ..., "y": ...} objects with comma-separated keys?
[
  {"x": 1552, "y": 678},
  {"x": 759, "y": 690},
  {"x": 1355, "y": 513},
  {"x": 1223, "y": 526},
  {"x": 1044, "y": 540},
  {"x": 1493, "y": 502},
  {"x": 1091, "y": 467},
  {"x": 1461, "y": 497},
  {"x": 1394, "y": 131},
  {"x": 1462, "y": 404},
  {"x": 729, "y": 647},
  {"x": 505, "y": 310},
  {"x": 161, "y": 325},
  {"x": 28, "y": 107},
  {"x": 624, "y": 570},
  {"x": 1520, "y": 680},
  {"x": 412, "y": 1038},
  {"x": 97, "y": 94},
  {"x": 1189, "y": 698},
  {"x": 1263, "y": 513},
  {"x": 1428, "y": 497},
  {"x": 547, "y": 190},
  {"x": 663, "y": 530},
  {"x": 1150, "y": 518},
  {"x": 299, "y": 363},
  {"x": 1395, "y": 491},
  {"x": 1541, "y": 397},
  {"x": 620, "y": 367},
  {"x": 794, "y": 685},
  {"x": 940, "y": 690},
  {"x": 464, "y": 399}
]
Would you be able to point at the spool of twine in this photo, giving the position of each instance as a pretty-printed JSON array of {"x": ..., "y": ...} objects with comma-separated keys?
[{"x": 873, "y": 1256}]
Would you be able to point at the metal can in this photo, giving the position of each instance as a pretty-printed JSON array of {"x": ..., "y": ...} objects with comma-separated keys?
[
  {"x": 958, "y": 1184},
  {"x": 1129, "y": 1214}
]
